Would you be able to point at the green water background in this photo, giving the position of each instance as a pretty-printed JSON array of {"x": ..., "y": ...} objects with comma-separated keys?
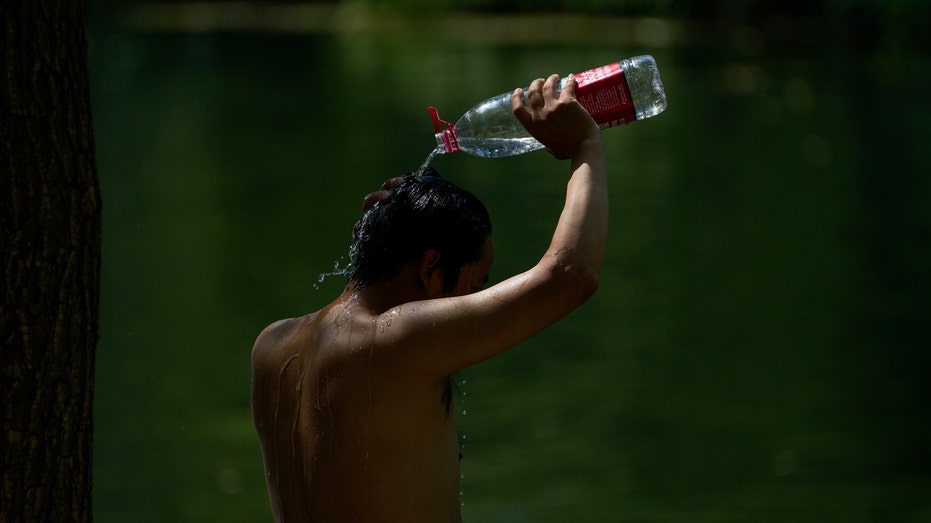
[{"x": 758, "y": 348}]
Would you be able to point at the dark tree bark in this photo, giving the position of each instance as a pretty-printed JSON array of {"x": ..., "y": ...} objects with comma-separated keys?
[{"x": 49, "y": 262}]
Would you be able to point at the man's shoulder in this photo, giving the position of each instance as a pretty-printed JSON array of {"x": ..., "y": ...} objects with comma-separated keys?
[
  {"x": 276, "y": 336},
  {"x": 275, "y": 329}
]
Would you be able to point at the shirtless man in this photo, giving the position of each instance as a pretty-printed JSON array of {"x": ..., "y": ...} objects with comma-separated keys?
[{"x": 352, "y": 403}]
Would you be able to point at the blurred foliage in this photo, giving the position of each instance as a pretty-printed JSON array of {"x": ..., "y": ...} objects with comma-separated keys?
[
  {"x": 849, "y": 23},
  {"x": 730, "y": 9}
]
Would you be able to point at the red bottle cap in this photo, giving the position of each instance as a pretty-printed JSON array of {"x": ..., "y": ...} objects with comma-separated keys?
[{"x": 444, "y": 137}]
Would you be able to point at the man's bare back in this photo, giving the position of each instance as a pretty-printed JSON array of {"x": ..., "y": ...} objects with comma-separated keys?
[{"x": 355, "y": 438}]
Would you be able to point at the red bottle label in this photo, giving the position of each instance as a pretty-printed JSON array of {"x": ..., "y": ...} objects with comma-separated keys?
[{"x": 603, "y": 92}]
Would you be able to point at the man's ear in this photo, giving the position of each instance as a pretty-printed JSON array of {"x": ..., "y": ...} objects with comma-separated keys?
[{"x": 431, "y": 273}]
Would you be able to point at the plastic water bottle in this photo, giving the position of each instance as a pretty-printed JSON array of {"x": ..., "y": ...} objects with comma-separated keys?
[{"x": 614, "y": 94}]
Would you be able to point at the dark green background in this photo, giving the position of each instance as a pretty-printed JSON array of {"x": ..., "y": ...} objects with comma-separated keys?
[{"x": 757, "y": 350}]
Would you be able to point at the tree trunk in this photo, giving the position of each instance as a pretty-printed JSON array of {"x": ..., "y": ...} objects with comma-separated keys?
[{"x": 49, "y": 262}]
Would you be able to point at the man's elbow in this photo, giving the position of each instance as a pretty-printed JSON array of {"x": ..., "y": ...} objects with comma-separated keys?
[
  {"x": 578, "y": 282},
  {"x": 587, "y": 284}
]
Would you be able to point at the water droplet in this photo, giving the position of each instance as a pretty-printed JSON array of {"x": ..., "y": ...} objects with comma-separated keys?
[{"x": 337, "y": 271}]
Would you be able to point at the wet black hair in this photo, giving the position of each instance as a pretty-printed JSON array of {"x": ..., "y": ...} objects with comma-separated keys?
[{"x": 408, "y": 216}]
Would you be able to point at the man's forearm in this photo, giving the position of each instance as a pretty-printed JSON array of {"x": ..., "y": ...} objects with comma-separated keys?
[{"x": 580, "y": 236}]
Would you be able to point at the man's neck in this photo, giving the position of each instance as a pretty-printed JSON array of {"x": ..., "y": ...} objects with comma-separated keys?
[{"x": 381, "y": 296}]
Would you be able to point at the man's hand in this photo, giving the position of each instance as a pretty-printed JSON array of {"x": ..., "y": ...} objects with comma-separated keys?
[{"x": 554, "y": 118}]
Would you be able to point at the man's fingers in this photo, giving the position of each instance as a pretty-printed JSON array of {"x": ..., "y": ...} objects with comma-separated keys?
[
  {"x": 535, "y": 97},
  {"x": 552, "y": 114},
  {"x": 517, "y": 100},
  {"x": 569, "y": 86},
  {"x": 521, "y": 112},
  {"x": 549, "y": 87}
]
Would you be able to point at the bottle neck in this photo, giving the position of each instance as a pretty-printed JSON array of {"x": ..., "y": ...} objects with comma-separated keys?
[{"x": 447, "y": 140}]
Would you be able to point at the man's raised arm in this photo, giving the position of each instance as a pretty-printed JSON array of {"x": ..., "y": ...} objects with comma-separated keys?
[{"x": 445, "y": 335}]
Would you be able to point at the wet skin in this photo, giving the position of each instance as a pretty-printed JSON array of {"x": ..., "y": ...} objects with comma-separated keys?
[{"x": 350, "y": 433}]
